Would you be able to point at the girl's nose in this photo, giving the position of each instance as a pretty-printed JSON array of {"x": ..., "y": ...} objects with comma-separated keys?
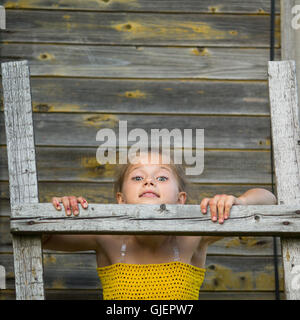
[{"x": 149, "y": 180}]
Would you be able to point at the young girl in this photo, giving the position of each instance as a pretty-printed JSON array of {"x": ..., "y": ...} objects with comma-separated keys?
[{"x": 151, "y": 267}]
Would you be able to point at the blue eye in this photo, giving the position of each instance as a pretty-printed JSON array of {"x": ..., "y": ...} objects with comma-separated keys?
[
  {"x": 137, "y": 178},
  {"x": 162, "y": 178}
]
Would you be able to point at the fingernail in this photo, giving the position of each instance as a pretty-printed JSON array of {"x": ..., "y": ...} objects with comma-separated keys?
[
  {"x": 214, "y": 218},
  {"x": 76, "y": 212}
]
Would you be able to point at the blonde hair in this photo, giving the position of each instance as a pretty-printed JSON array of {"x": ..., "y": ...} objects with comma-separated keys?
[{"x": 177, "y": 169}]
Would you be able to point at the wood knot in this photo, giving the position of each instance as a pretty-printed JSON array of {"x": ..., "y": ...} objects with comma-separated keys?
[
  {"x": 46, "y": 56},
  {"x": 256, "y": 218},
  {"x": 42, "y": 107},
  {"x": 162, "y": 207},
  {"x": 30, "y": 222},
  {"x": 286, "y": 223},
  {"x": 203, "y": 51},
  {"x": 297, "y": 211}
]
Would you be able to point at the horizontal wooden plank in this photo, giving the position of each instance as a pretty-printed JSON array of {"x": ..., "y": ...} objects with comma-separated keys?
[
  {"x": 141, "y": 62},
  {"x": 224, "y": 273},
  {"x": 149, "y": 96},
  {"x": 139, "y": 29},
  {"x": 245, "y": 246},
  {"x": 245, "y": 273},
  {"x": 241, "y": 246},
  {"x": 96, "y": 294},
  {"x": 228, "y": 132},
  {"x": 261, "y": 220},
  {"x": 210, "y": 6},
  {"x": 80, "y": 164},
  {"x": 69, "y": 164},
  {"x": 4, "y": 207},
  {"x": 6, "y": 238}
]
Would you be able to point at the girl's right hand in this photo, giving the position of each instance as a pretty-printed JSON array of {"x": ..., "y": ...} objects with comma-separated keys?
[{"x": 69, "y": 202}]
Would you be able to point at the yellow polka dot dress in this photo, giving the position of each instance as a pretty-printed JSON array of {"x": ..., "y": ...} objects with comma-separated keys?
[{"x": 163, "y": 281}]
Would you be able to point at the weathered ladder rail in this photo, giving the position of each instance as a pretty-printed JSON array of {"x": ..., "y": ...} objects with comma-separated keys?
[
  {"x": 23, "y": 186},
  {"x": 285, "y": 138},
  {"x": 156, "y": 219},
  {"x": 29, "y": 219}
]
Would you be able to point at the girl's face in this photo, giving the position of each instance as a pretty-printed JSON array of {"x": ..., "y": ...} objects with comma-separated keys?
[{"x": 150, "y": 184}]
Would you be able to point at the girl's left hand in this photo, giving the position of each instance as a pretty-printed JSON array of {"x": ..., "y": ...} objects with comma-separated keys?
[{"x": 220, "y": 206}]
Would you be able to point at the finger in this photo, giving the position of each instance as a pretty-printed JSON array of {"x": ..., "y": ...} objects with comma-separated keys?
[
  {"x": 213, "y": 209},
  {"x": 74, "y": 206},
  {"x": 66, "y": 203},
  {"x": 228, "y": 204},
  {"x": 220, "y": 205},
  {"x": 227, "y": 210},
  {"x": 204, "y": 204},
  {"x": 83, "y": 202},
  {"x": 56, "y": 203}
]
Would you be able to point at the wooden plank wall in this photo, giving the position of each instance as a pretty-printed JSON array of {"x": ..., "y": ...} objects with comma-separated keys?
[{"x": 156, "y": 64}]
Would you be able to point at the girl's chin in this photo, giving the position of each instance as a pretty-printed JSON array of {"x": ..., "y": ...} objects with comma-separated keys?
[
  {"x": 145, "y": 200},
  {"x": 149, "y": 200}
]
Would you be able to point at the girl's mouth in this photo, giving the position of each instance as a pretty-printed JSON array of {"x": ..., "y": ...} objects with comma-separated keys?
[{"x": 149, "y": 194}]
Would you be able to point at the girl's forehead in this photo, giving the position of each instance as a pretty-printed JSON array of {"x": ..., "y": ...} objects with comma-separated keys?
[
  {"x": 149, "y": 167},
  {"x": 151, "y": 161}
]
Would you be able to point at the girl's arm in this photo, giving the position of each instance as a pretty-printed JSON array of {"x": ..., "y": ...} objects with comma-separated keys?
[
  {"x": 220, "y": 205},
  {"x": 69, "y": 242},
  {"x": 258, "y": 196},
  {"x": 80, "y": 242}
]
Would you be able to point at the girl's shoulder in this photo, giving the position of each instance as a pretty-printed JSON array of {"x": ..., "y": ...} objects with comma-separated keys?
[{"x": 105, "y": 240}]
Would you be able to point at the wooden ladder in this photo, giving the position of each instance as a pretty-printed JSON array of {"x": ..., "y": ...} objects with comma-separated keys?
[{"x": 30, "y": 219}]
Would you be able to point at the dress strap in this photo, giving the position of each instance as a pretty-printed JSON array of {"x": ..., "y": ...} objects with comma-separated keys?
[
  {"x": 123, "y": 252},
  {"x": 176, "y": 250}
]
